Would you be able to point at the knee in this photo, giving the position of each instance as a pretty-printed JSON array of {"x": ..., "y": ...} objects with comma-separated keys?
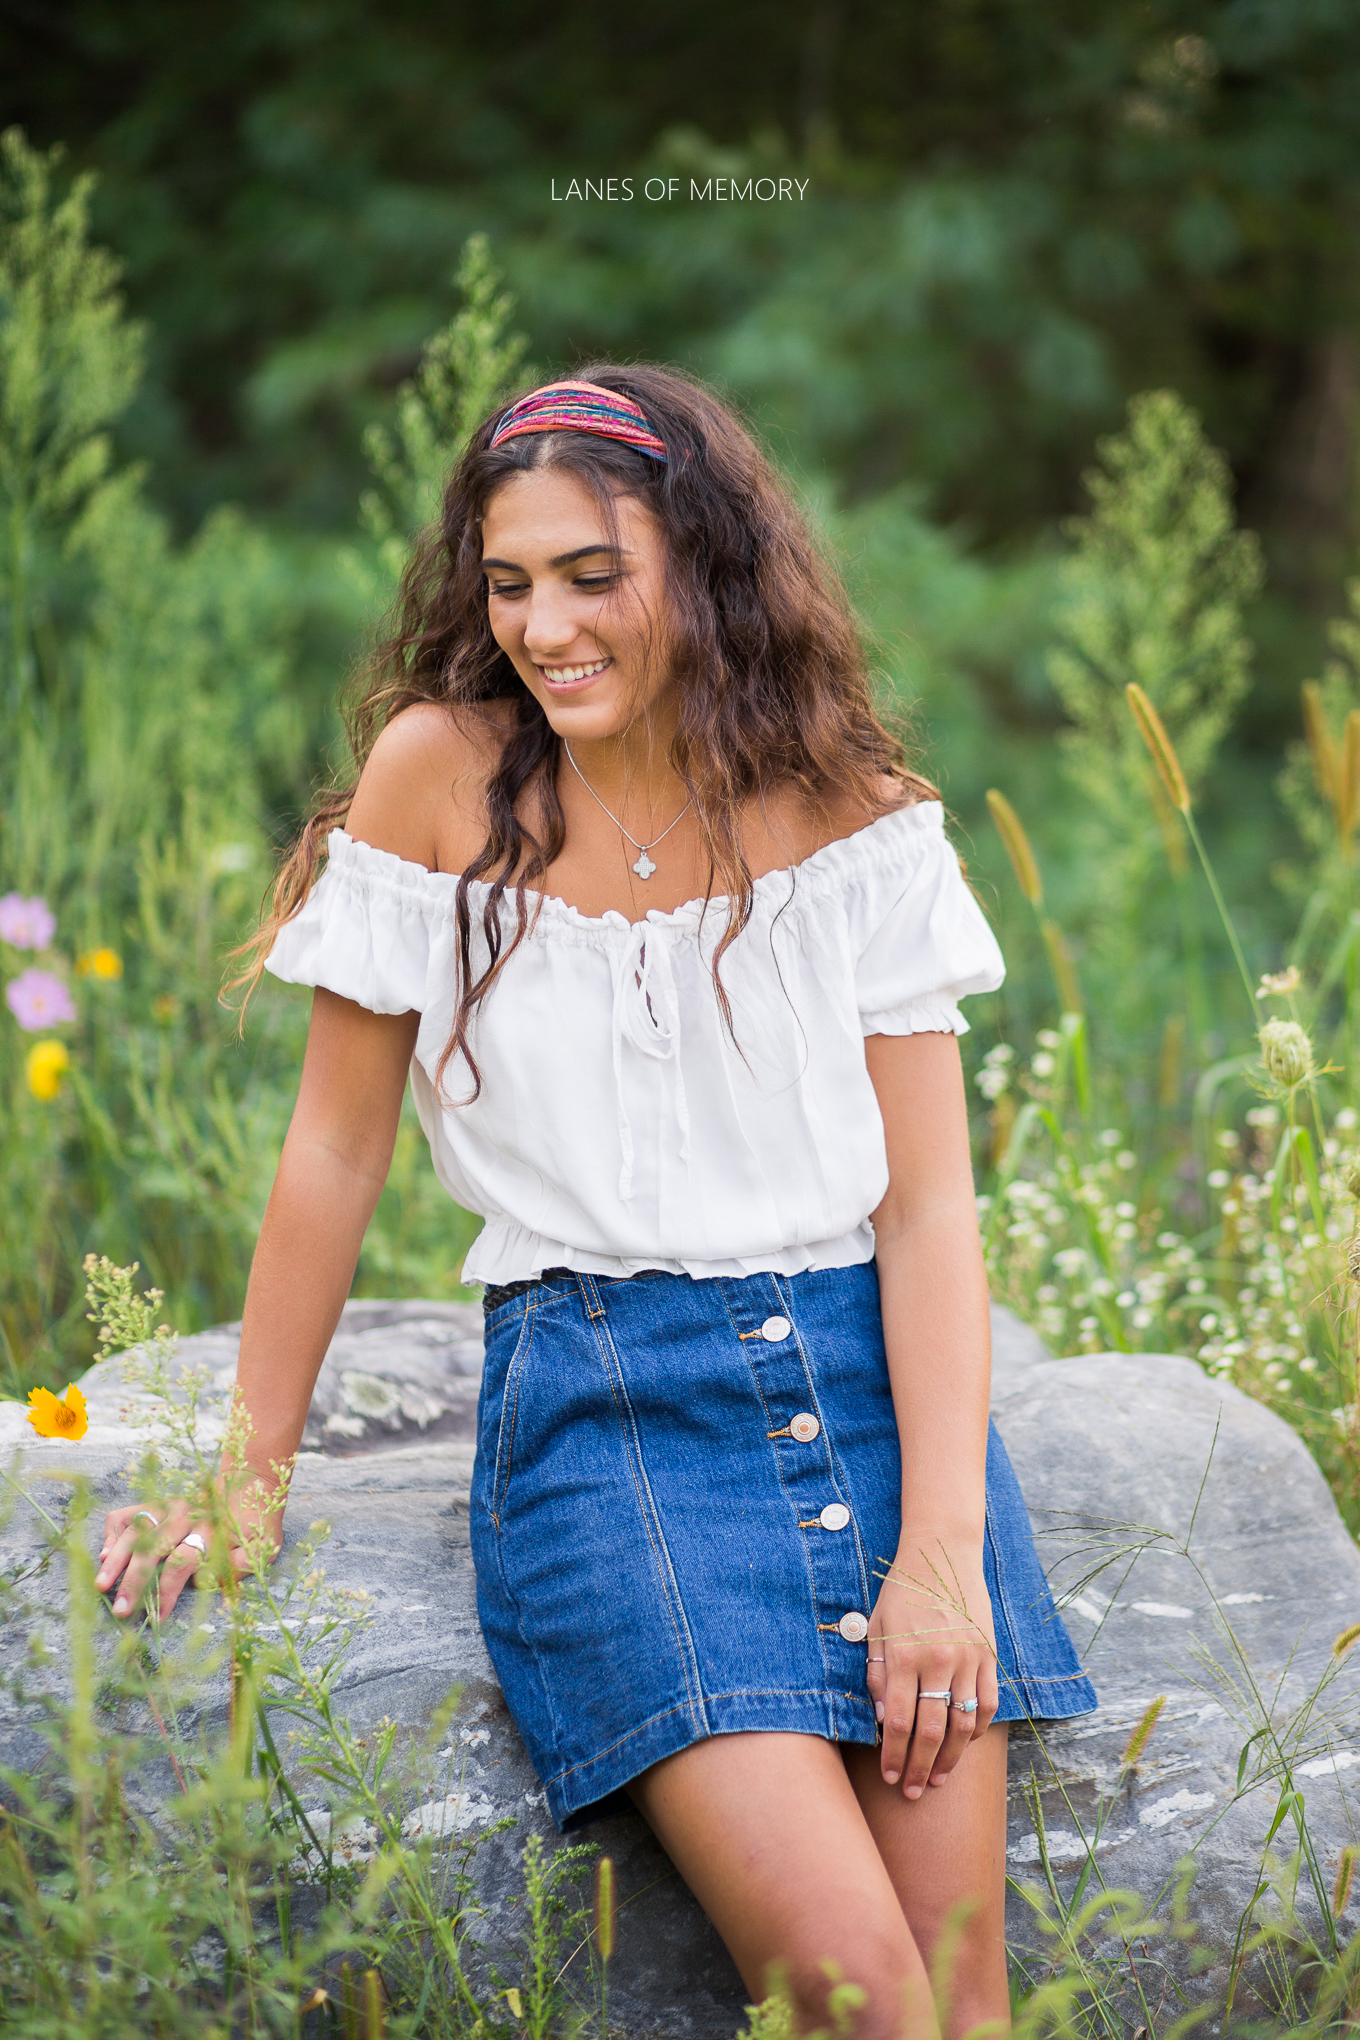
[{"x": 872, "y": 1988}]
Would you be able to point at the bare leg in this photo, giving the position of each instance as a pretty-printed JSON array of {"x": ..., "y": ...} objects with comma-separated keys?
[
  {"x": 772, "y": 1837},
  {"x": 946, "y": 1854}
]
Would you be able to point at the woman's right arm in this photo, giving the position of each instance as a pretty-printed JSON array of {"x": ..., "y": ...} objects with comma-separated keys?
[
  {"x": 421, "y": 797},
  {"x": 332, "y": 1170}
]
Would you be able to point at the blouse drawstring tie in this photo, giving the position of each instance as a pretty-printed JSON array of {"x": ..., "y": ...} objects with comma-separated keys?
[{"x": 646, "y": 1013}]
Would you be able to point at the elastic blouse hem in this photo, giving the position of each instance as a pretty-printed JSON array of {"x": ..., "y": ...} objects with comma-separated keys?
[{"x": 505, "y": 1252}]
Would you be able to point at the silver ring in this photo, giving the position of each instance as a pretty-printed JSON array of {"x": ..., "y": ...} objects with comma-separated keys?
[
  {"x": 149, "y": 1517},
  {"x": 195, "y": 1542},
  {"x": 946, "y": 1695},
  {"x": 965, "y": 1706},
  {"x": 876, "y": 1661}
]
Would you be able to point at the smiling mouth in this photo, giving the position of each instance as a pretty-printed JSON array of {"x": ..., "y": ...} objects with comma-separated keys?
[{"x": 573, "y": 676}]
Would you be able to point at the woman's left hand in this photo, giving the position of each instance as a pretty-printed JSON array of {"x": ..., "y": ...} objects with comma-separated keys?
[{"x": 931, "y": 1633}]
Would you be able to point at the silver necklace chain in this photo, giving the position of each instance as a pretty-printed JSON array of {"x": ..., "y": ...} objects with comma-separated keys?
[{"x": 644, "y": 866}]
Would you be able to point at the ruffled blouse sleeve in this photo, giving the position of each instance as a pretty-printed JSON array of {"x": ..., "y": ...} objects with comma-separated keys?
[
  {"x": 925, "y": 940},
  {"x": 363, "y": 931}
]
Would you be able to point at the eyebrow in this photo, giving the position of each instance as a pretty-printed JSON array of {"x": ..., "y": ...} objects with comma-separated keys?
[{"x": 583, "y": 552}]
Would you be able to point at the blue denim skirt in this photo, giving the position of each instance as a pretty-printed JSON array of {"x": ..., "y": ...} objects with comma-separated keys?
[{"x": 682, "y": 1490}]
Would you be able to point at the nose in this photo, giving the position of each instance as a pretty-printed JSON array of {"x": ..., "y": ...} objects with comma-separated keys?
[{"x": 549, "y": 627}]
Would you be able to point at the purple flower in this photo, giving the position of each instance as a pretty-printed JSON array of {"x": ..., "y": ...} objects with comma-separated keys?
[
  {"x": 38, "y": 1000},
  {"x": 27, "y": 924}
]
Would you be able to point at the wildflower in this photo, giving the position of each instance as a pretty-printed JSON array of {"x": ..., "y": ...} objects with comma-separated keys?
[
  {"x": 100, "y": 963},
  {"x": 58, "y": 1416},
  {"x": 229, "y": 858},
  {"x": 1286, "y": 1052},
  {"x": 26, "y": 924},
  {"x": 44, "y": 1066},
  {"x": 1279, "y": 984},
  {"x": 37, "y": 999}
]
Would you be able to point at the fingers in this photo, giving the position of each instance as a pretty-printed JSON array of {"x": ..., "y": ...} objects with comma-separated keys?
[
  {"x": 928, "y": 1735},
  {"x": 960, "y": 1729},
  {"x": 897, "y": 1720},
  {"x": 914, "y": 1692},
  {"x": 176, "y": 1574},
  {"x": 136, "y": 1540}
]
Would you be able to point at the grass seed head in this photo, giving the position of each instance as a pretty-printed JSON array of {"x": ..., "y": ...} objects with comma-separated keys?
[
  {"x": 1341, "y": 1890},
  {"x": 1142, "y": 1734},
  {"x": 604, "y": 1907},
  {"x": 1321, "y": 746},
  {"x": 1153, "y": 732},
  {"x": 1012, "y": 833},
  {"x": 1347, "y": 1639}
]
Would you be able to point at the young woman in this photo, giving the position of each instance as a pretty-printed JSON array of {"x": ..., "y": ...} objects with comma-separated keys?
[{"x": 640, "y": 891}]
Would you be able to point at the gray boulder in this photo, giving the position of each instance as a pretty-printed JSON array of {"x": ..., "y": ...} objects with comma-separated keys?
[{"x": 1117, "y": 1454}]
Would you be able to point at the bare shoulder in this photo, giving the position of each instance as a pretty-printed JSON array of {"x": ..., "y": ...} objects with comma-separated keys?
[
  {"x": 791, "y": 828},
  {"x": 844, "y": 816},
  {"x": 422, "y": 791}
]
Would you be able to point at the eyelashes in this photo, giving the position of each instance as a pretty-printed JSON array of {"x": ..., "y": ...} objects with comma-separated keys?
[{"x": 595, "y": 585}]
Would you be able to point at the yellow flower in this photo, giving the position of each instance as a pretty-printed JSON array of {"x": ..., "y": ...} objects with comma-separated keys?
[
  {"x": 101, "y": 963},
  {"x": 44, "y": 1065},
  {"x": 58, "y": 1416}
]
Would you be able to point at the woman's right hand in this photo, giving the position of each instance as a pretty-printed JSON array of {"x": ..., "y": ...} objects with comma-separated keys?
[{"x": 132, "y": 1550}]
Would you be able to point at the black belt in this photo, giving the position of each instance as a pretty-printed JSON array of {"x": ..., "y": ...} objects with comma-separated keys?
[{"x": 497, "y": 1293}]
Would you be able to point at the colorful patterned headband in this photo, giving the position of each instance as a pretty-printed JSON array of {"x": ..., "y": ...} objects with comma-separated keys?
[{"x": 581, "y": 407}]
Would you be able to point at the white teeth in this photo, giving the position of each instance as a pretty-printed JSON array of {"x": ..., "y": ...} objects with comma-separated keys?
[{"x": 574, "y": 672}]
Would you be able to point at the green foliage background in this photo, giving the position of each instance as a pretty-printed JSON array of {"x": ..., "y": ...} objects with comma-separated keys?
[{"x": 1019, "y": 218}]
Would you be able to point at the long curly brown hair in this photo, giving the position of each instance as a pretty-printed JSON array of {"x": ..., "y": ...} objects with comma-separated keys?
[{"x": 769, "y": 673}]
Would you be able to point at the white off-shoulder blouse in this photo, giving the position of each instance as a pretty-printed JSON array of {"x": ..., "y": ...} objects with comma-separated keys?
[{"x": 620, "y": 1124}]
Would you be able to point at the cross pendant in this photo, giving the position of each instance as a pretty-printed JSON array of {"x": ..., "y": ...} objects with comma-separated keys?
[{"x": 644, "y": 866}]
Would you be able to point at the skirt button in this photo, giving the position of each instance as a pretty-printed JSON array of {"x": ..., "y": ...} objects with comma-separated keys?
[
  {"x": 834, "y": 1516},
  {"x": 853, "y": 1627},
  {"x": 804, "y": 1427},
  {"x": 774, "y": 1329}
]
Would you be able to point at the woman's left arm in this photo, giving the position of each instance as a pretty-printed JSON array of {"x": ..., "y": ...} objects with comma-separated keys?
[{"x": 931, "y": 1629}]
